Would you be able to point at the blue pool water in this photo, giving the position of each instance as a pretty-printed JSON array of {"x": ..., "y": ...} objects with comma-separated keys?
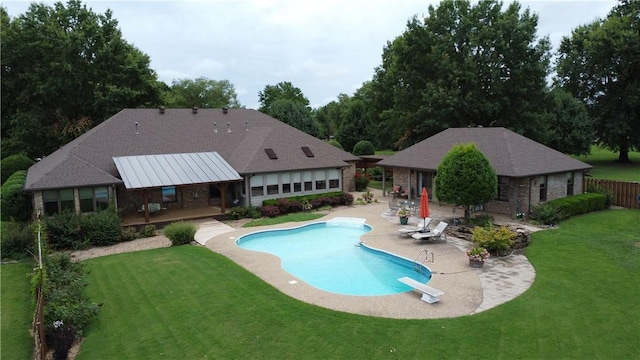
[{"x": 331, "y": 258}]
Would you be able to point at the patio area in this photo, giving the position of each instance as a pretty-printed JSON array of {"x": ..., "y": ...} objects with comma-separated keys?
[{"x": 166, "y": 216}]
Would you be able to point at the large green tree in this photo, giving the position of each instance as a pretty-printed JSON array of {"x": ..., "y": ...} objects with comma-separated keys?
[
  {"x": 64, "y": 70},
  {"x": 464, "y": 65},
  {"x": 600, "y": 65},
  {"x": 570, "y": 128},
  {"x": 295, "y": 114},
  {"x": 203, "y": 93},
  {"x": 281, "y": 91},
  {"x": 465, "y": 177}
]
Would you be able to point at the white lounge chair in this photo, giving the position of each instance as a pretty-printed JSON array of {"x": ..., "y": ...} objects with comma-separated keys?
[
  {"x": 423, "y": 226},
  {"x": 429, "y": 294},
  {"x": 435, "y": 234}
]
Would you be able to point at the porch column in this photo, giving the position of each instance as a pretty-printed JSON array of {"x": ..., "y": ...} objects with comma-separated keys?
[{"x": 145, "y": 200}]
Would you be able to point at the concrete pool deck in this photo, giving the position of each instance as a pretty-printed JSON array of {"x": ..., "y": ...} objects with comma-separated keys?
[{"x": 466, "y": 290}]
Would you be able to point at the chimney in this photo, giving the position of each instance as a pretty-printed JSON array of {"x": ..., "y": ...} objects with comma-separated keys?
[
  {"x": 225, "y": 110},
  {"x": 137, "y": 132},
  {"x": 228, "y": 127},
  {"x": 215, "y": 127},
  {"x": 194, "y": 109},
  {"x": 161, "y": 109}
]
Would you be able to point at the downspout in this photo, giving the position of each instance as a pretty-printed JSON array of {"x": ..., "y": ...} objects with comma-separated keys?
[
  {"x": 409, "y": 183},
  {"x": 384, "y": 178}
]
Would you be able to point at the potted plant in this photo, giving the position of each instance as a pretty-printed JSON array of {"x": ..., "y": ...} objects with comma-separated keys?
[
  {"x": 477, "y": 255},
  {"x": 403, "y": 213}
]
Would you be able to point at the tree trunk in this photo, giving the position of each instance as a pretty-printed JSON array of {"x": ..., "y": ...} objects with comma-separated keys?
[
  {"x": 623, "y": 157},
  {"x": 467, "y": 213}
]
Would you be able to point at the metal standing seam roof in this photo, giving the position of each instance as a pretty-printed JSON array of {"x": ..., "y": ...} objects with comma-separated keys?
[{"x": 146, "y": 171}]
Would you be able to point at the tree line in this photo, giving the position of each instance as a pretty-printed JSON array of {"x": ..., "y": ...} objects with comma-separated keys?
[{"x": 65, "y": 69}]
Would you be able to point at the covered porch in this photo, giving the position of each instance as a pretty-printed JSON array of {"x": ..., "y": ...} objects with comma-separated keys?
[{"x": 165, "y": 216}]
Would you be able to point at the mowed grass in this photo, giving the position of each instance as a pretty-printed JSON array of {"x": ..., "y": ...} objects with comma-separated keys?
[
  {"x": 17, "y": 306},
  {"x": 605, "y": 167},
  {"x": 190, "y": 303}
]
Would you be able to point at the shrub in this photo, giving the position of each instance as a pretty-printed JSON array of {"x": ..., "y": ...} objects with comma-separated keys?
[
  {"x": 362, "y": 181},
  {"x": 180, "y": 232},
  {"x": 13, "y": 163},
  {"x": 101, "y": 228},
  {"x": 493, "y": 239},
  {"x": 335, "y": 143},
  {"x": 346, "y": 199},
  {"x": 17, "y": 240},
  {"x": 579, "y": 204},
  {"x": 602, "y": 190},
  {"x": 363, "y": 147},
  {"x": 129, "y": 233},
  {"x": 64, "y": 299},
  {"x": 241, "y": 212},
  {"x": 64, "y": 231},
  {"x": 270, "y": 211},
  {"x": 546, "y": 214},
  {"x": 149, "y": 231},
  {"x": 14, "y": 202}
]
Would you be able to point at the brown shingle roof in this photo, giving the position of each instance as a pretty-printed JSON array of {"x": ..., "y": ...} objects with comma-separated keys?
[
  {"x": 509, "y": 153},
  {"x": 87, "y": 160}
]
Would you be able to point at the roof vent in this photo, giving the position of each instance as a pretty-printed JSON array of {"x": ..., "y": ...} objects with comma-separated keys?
[
  {"x": 137, "y": 132},
  {"x": 246, "y": 126},
  {"x": 215, "y": 127},
  {"x": 194, "y": 109},
  {"x": 307, "y": 151},
  {"x": 228, "y": 127},
  {"x": 161, "y": 109},
  {"x": 225, "y": 110},
  {"x": 271, "y": 154}
]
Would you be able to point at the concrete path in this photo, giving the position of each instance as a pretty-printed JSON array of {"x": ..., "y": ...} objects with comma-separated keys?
[{"x": 210, "y": 229}]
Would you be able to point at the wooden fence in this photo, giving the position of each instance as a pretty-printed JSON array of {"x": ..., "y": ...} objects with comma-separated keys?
[
  {"x": 40, "y": 347},
  {"x": 625, "y": 194}
]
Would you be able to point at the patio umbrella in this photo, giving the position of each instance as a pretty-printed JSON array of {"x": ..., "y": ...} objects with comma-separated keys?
[{"x": 424, "y": 204}]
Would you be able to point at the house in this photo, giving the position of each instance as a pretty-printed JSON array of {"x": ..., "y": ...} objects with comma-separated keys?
[
  {"x": 145, "y": 160},
  {"x": 529, "y": 173}
]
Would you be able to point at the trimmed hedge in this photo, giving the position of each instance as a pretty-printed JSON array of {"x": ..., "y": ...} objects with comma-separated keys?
[
  {"x": 579, "y": 204},
  {"x": 297, "y": 203},
  {"x": 68, "y": 230},
  {"x": 13, "y": 163},
  {"x": 14, "y": 202}
]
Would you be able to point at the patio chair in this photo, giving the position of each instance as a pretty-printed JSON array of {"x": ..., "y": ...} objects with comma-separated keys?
[
  {"x": 435, "y": 234},
  {"x": 423, "y": 226}
]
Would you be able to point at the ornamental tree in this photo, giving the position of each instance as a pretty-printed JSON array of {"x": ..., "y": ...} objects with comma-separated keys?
[{"x": 465, "y": 177}]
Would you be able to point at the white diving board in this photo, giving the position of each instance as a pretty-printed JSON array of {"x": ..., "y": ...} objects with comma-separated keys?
[{"x": 429, "y": 294}]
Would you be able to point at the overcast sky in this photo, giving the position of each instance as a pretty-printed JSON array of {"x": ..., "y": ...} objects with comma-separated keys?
[{"x": 323, "y": 47}]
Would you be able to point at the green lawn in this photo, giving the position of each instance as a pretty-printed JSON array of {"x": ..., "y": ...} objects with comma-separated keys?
[
  {"x": 190, "y": 303},
  {"x": 17, "y": 306},
  {"x": 605, "y": 167}
]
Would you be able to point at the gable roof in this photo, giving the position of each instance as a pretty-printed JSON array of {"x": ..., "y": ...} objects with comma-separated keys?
[
  {"x": 509, "y": 153},
  {"x": 239, "y": 136}
]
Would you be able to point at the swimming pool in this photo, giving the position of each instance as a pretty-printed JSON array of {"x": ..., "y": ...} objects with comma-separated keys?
[{"x": 330, "y": 257}]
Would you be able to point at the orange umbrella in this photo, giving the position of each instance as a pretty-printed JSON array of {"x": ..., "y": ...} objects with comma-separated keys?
[{"x": 424, "y": 204}]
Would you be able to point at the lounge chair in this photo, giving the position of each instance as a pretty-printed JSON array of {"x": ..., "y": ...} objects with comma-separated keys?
[
  {"x": 435, "y": 234},
  {"x": 423, "y": 226}
]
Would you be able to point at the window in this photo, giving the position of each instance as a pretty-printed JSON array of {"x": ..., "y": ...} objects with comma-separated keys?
[
  {"x": 569, "y": 183},
  {"x": 272, "y": 189},
  {"x": 334, "y": 179},
  {"x": 543, "y": 188},
  {"x": 56, "y": 201},
  {"x": 297, "y": 185},
  {"x": 286, "y": 188},
  {"x": 308, "y": 184},
  {"x": 257, "y": 191},
  {"x": 503, "y": 188},
  {"x": 169, "y": 194},
  {"x": 93, "y": 199},
  {"x": 321, "y": 182},
  {"x": 286, "y": 183}
]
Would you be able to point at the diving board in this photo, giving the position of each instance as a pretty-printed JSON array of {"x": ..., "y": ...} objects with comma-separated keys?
[{"x": 429, "y": 294}]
